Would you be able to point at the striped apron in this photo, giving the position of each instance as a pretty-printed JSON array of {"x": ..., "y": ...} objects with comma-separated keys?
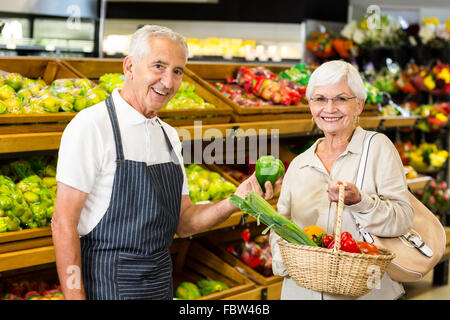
[{"x": 126, "y": 255}]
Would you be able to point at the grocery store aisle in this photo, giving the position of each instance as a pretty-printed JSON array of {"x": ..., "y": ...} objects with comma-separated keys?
[{"x": 424, "y": 290}]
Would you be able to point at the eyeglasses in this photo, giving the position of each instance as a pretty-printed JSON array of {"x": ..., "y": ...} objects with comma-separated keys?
[{"x": 336, "y": 101}]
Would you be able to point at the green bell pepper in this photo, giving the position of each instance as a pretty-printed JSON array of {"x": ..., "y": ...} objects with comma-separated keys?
[{"x": 268, "y": 168}]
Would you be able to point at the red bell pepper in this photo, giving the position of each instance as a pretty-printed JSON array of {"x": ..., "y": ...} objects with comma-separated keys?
[
  {"x": 368, "y": 248},
  {"x": 348, "y": 244}
]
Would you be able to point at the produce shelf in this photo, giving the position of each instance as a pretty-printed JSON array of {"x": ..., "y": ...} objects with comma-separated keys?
[
  {"x": 94, "y": 68},
  {"x": 192, "y": 262},
  {"x": 26, "y": 258},
  {"x": 216, "y": 72},
  {"x": 22, "y": 142},
  {"x": 47, "y": 69},
  {"x": 369, "y": 122},
  {"x": 398, "y": 121},
  {"x": 418, "y": 183}
]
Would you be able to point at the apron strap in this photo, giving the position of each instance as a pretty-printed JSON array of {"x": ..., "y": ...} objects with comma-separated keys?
[
  {"x": 115, "y": 126},
  {"x": 173, "y": 154},
  {"x": 117, "y": 137}
]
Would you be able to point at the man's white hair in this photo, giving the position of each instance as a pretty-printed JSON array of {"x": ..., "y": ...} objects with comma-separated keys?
[
  {"x": 139, "y": 42},
  {"x": 331, "y": 72}
]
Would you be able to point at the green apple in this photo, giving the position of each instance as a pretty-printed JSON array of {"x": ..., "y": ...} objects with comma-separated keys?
[
  {"x": 50, "y": 103},
  {"x": 3, "y": 107},
  {"x": 83, "y": 83},
  {"x": 214, "y": 176},
  {"x": 36, "y": 107},
  {"x": 216, "y": 189},
  {"x": 192, "y": 177},
  {"x": 194, "y": 192},
  {"x": 25, "y": 94},
  {"x": 203, "y": 195},
  {"x": 204, "y": 173},
  {"x": 27, "y": 82},
  {"x": 62, "y": 83},
  {"x": 66, "y": 106},
  {"x": 66, "y": 96},
  {"x": 14, "y": 105},
  {"x": 14, "y": 80},
  {"x": 80, "y": 103},
  {"x": 203, "y": 183},
  {"x": 6, "y": 92}
]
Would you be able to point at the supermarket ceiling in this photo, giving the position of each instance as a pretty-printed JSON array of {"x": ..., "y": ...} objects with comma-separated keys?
[{"x": 283, "y": 11}]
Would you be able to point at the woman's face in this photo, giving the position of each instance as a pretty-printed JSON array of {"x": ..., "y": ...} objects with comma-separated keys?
[{"x": 338, "y": 115}]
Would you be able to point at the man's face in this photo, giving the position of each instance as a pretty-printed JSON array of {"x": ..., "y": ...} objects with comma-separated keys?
[{"x": 157, "y": 76}]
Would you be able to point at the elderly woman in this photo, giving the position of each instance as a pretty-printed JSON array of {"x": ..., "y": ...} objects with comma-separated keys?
[{"x": 310, "y": 189}]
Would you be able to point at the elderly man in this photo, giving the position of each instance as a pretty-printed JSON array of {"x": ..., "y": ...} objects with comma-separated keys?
[{"x": 122, "y": 189}]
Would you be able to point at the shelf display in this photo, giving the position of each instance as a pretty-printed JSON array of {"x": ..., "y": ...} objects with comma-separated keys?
[
  {"x": 27, "y": 193},
  {"x": 30, "y": 290},
  {"x": 207, "y": 185},
  {"x": 193, "y": 264}
]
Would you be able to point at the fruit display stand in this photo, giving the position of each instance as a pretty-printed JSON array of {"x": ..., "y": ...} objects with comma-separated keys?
[
  {"x": 193, "y": 262},
  {"x": 93, "y": 69},
  {"x": 208, "y": 72},
  {"x": 47, "y": 69},
  {"x": 217, "y": 243},
  {"x": 398, "y": 121},
  {"x": 26, "y": 248}
]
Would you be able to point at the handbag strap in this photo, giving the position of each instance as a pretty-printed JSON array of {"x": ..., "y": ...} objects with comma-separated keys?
[
  {"x": 359, "y": 182},
  {"x": 410, "y": 239}
]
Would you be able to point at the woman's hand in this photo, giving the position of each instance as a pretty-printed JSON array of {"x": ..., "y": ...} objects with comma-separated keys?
[
  {"x": 351, "y": 192},
  {"x": 252, "y": 184}
]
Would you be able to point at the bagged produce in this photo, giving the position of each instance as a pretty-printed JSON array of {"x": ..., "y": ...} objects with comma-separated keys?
[{"x": 205, "y": 185}]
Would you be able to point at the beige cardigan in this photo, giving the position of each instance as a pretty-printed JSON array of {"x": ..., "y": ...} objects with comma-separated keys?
[{"x": 384, "y": 209}]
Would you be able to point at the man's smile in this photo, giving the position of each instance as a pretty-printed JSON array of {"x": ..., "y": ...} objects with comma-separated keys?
[{"x": 161, "y": 93}]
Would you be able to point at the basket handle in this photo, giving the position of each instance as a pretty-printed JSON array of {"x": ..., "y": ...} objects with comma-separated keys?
[{"x": 338, "y": 221}]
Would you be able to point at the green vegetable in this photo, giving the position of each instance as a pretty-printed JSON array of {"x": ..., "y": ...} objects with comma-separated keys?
[
  {"x": 22, "y": 169},
  {"x": 259, "y": 208},
  {"x": 268, "y": 168},
  {"x": 5, "y": 202},
  {"x": 187, "y": 290},
  {"x": 211, "y": 286}
]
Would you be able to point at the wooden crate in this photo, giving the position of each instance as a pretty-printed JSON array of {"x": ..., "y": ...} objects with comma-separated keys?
[
  {"x": 369, "y": 122},
  {"x": 192, "y": 262},
  {"x": 418, "y": 183},
  {"x": 47, "y": 69},
  {"x": 25, "y": 239},
  {"x": 216, "y": 72},
  {"x": 398, "y": 121},
  {"x": 93, "y": 69},
  {"x": 217, "y": 245}
]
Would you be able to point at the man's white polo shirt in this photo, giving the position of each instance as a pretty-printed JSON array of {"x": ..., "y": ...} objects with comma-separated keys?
[{"x": 87, "y": 154}]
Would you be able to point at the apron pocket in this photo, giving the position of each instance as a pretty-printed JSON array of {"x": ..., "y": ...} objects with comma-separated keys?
[{"x": 145, "y": 277}]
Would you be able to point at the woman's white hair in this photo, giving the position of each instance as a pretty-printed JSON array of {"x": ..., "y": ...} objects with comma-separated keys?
[
  {"x": 139, "y": 42},
  {"x": 331, "y": 72}
]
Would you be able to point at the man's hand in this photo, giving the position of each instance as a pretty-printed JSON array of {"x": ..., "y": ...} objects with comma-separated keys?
[
  {"x": 351, "y": 192},
  {"x": 200, "y": 217},
  {"x": 252, "y": 184}
]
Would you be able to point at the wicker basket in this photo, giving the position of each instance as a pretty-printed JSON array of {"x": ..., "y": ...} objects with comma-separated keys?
[{"x": 333, "y": 270}]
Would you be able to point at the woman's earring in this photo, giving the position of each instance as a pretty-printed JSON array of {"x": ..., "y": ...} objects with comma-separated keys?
[
  {"x": 312, "y": 120},
  {"x": 356, "y": 119}
]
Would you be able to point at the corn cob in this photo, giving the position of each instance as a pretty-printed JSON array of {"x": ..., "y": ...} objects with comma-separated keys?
[{"x": 259, "y": 208}]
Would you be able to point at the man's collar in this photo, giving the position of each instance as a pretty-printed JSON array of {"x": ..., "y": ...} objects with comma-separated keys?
[{"x": 128, "y": 114}]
